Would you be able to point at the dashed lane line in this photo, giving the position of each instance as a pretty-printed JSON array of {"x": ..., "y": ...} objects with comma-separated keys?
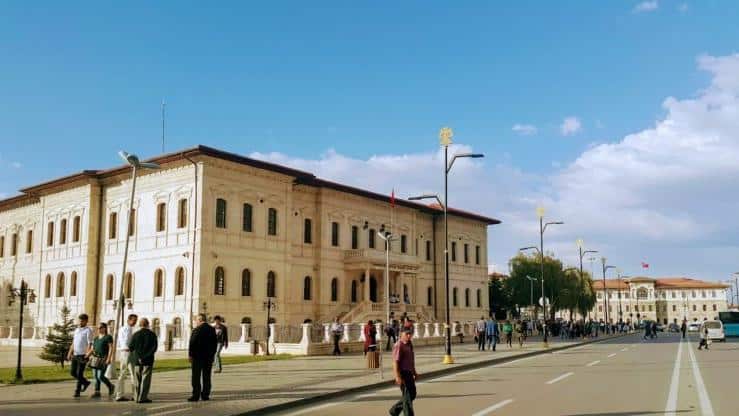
[
  {"x": 560, "y": 378},
  {"x": 593, "y": 363},
  {"x": 493, "y": 408},
  {"x": 612, "y": 355}
]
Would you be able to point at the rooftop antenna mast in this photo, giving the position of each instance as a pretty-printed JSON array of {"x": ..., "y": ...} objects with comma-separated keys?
[{"x": 163, "y": 105}]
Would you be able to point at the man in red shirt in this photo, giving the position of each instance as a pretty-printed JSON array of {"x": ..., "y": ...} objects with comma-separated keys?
[{"x": 404, "y": 368}]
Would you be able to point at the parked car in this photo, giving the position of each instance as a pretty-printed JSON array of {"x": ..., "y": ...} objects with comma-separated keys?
[
  {"x": 715, "y": 330},
  {"x": 674, "y": 327},
  {"x": 694, "y": 326}
]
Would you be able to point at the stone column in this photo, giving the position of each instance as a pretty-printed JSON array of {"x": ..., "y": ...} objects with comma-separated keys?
[
  {"x": 401, "y": 292},
  {"x": 437, "y": 333},
  {"x": 327, "y": 333},
  {"x": 305, "y": 339},
  {"x": 426, "y": 330},
  {"x": 34, "y": 335},
  {"x": 454, "y": 328},
  {"x": 361, "y": 332},
  {"x": 366, "y": 285},
  {"x": 378, "y": 327},
  {"x": 346, "y": 333},
  {"x": 272, "y": 338},
  {"x": 244, "y": 333},
  {"x": 11, "y": 333},
  {"x": 416, "y": 330}
]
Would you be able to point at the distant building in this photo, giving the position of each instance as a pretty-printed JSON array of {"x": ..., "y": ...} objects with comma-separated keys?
[
  {"x": 219, "y": 233},
  {"x": 665, "y": 300}
]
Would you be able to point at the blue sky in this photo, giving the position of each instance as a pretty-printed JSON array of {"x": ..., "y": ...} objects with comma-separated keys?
[{"x": 361, "y": 79}]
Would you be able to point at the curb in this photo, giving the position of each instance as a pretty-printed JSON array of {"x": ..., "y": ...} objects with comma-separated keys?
[{"x": 430, "y": 375}]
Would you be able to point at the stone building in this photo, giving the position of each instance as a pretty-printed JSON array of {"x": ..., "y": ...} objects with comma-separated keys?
[
  {"x": 219, "y": 233},
  {"x": 665, "y": 300}
]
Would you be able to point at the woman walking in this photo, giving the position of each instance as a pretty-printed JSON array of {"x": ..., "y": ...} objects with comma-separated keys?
[
  {"x": 100, "y": 354},
  {"x": 370, "y": 337}
]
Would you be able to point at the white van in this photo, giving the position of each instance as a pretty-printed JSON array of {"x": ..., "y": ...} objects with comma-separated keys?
[{"x": 715, "y": 330}]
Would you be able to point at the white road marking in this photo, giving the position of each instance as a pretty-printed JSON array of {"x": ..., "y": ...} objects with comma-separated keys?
[
  {"x": 364, "y": 396},
  {"x": 312, "y": 409},
  {"x": 450, "y": 376},
  {"x": 705, "y": 401},
  {"x": 493, "y": 408},
  {"x": 159, "y": 407},
  {"x": 593, "y": 363},
  {"x": 612, "y": 355},
  {"x": 170, "y": 412},
  {"x": 624, "y": 350},
  {"x": 560, "y": 378},
  {"x": 671, "y": 406}
]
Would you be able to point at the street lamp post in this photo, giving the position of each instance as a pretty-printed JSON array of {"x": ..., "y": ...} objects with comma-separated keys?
[
  {"x": 543, "y": 227},
  {"x": 136, "y": 164},
  {"x": 445, "y": 139},
  {"x": 531, "y": 284},
  {"x": 580, "y": 244},
  {"x": 606, "y": 302},
  {"x": 24, "y": 294},
  {"x": 620, "y": 311},
  {"x": 388, "y": 238},
  {"x": 269, "y": 305}
]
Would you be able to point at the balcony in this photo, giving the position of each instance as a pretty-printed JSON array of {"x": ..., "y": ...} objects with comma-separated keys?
[{"x": 372, "y": 258}]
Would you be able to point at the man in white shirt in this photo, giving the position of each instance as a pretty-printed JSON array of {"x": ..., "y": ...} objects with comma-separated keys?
[
  {"x": 480, "y": 333},
  {"x": 124, "y": 369},
  {"x": 337, "y": 329},
  {"x": 81, "y": 343}
]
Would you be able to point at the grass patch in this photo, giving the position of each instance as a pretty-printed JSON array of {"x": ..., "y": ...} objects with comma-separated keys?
[{"x": 48, "y": 374}]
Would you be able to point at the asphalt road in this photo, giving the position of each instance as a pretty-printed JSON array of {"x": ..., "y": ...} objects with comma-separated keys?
[{"x": 625, "y": 376}]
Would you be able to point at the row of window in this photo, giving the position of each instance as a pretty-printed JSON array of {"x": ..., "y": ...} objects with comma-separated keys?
[
  {"x": 247, "y": 220},
  {"x": 161, "y": 219},
  {"x": 128, "y": 284},
  {"x": 50, "y": 234},
  {"x": 61, "y": 285},
  {"x": 664, "y": 309},
  {"x": 219, "y": 283},
  {"x": 643, "y": 294}
]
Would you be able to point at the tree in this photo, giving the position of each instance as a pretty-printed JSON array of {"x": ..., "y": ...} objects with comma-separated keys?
[
  {"x": 500, "y": 298},
  {"x": 59, "y": 339},
  {"x": 530, "y": 265}
]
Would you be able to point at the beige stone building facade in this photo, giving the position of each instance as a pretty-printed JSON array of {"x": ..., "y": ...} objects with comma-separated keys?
[
  {"x": 665, "y": 300},
  {"x": 220, "y": 233}
]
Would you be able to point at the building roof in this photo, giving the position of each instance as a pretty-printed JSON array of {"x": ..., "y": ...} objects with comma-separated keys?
[
  {"x": 660, "y": 283},
  {"x": 301, "y": 177},
  {"x": 496, "y": 275}
]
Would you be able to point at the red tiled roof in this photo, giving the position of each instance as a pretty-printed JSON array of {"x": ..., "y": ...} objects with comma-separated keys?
[
  {"x": 611, "y": 284},
  {"x": 661, "y": 283}
]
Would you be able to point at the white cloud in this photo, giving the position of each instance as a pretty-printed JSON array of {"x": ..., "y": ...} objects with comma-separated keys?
[
  {"x": 667, "y": 194},
  {"x": 525, "y": 129},
  {"x": 570, "y": 126},
  {"x": 646, "y": 6}
]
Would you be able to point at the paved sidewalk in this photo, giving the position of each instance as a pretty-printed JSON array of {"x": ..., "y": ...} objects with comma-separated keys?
[{"x": 246, "y": 387}]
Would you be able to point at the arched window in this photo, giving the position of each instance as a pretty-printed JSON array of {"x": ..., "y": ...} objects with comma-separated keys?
[
  {"x": 272, "y": 221},
  {"x": 109, "y": 287},
  {"x": 14, "y": 244},
  {"x": 128, "y": 286},
  {"x": 155, "y": 326},
  {"x": 354, "y": 291},
  {"x": 455, "y": 301},
  {"x": 50, "y": 234},
  {"x": 29, "y": 241},
  {"x": 479, "y": 298},
  {"x": 60, "y": 285},
  {"x": 220, "y": 213},
  {"x": 467, "y": 298},
  {"x": 219, "y": 283},
  {"x": 306, "y": 288},
  {"x": 430, "y": 296},
  {"x": 2, "y": 246},
  {"x": 73, "y": 284},
  {"x": 158, "y": 283},
  {"x": 182, "y": 213},
  {"x": 63, "y": 231},
  {"x": 177, "y": 324},
  {"x": 76, "y": 229},
  {"x": 179, "y": 282},
  {"x": 334, "y": 289},
  {"x": 161, "y": 216},
  {"x": 371, "y": 238},
  {"x": 271, "y": 284},
  {"x": 704, "y": 308},
  {"x": 245, "y": 282},
  {"x": 47, "y": 286}
]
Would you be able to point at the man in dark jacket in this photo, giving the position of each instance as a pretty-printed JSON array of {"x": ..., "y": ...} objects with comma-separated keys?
[
  {"x": 142, "y": 347},
  {"x": 203, "y": 345}
]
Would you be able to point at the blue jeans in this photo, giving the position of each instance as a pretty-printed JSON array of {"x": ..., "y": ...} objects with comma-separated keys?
[{"x": 99, "y": 374}]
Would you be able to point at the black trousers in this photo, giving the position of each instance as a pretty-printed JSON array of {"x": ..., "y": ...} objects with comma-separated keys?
[
  {"x": 391, "y": 340},
  {"x": 408, "y": 390},
  {"x": 201, "y": 370},
  {"x": 337, "y": 350},
  {"x": 481, "y": 341},
  {"x": 77, "y": 370}
]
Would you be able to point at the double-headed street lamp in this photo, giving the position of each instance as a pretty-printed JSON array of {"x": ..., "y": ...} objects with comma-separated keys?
[
  {"x": 25, "y": 295},
  {"x": 445, "y": 139},
  {"x": 388, "y": 238},
  {"x": 620, "y": 312},
  {"x": 580, "y": 243},
  {"x": 531, "y": 281},
  {"x": 606, "y": 303},
  {"x": 136, "y": 164}
]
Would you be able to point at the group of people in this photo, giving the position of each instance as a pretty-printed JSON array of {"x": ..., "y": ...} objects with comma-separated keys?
[
  {"x": 395, "y": 298},
  {"x": 136, "y": 351}
]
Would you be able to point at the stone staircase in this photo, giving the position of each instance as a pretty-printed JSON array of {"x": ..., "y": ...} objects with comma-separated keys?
[{"x": 364, "y": 311}]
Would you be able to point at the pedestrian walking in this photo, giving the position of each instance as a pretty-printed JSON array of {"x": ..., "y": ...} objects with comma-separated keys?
[
  {"x": 684, "y": 327},
  {"x": 480, "y": 333},
  {"x": 704, "y": 338},
  {"x": 370, "y": 337},
  {"x": 201, "y": 353},
  {"x": 100, "y": 355},
  {"x": 519, "y": 333},
  {"x": 337, "y": 329},
  {"x": 491, "y": 333},
  {"x": 508, "y": 332},
  {"x": 404, "y": 368},
  {"x": 222, "y": 339},
  {"x": 142, "y": 348},
  {"x": 77, "y": 354},
  {"x": 390, "y": 333},
  {"x": 125, "y": 370}
]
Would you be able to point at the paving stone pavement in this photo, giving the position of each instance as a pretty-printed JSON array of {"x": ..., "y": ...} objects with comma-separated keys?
[{"x": 245, "y": 387}]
